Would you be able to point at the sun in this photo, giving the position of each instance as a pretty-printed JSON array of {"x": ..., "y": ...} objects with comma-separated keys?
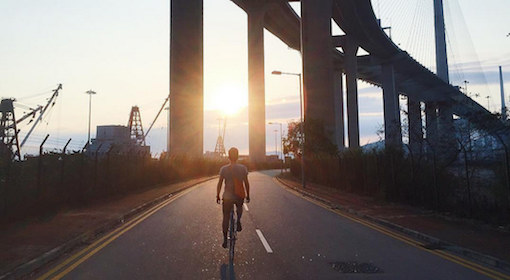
[{"x": 229, "y": 99}]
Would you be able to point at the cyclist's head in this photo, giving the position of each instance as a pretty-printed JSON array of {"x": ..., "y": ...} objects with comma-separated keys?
[{"x": 233, "y": 154}]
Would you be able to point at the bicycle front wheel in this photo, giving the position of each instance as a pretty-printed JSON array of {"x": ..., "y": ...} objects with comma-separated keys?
[{"x": 232, "y": 238}]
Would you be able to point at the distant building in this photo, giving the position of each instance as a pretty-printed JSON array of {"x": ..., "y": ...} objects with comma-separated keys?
[{"x": 117, "y": 140}]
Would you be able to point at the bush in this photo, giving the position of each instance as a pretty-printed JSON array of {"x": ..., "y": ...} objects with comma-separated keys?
[
  {"x": 392, "y": 176},
  {"x": 53, "y": 181}
]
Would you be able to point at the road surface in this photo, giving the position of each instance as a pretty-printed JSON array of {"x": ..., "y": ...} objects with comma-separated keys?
[{"x": 181, "y": 239}]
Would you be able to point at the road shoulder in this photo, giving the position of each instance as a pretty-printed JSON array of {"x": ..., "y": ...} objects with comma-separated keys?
[
  {"x": 484, "y": 245},
  {"x": 27, "y": 247}
]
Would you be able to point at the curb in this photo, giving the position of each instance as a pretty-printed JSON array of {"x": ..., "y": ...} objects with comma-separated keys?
[
  {"x": 433, "y": 243},
  {"x": 86, "y": 237}
]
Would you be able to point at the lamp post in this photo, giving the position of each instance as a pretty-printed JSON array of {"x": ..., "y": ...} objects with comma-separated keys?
[
  {"x": 90, "y": 93},
  {"x": 276, "y": 143},
  {"x": 303, "y": 182},
  {"x": 466, "y": 82},
  {"x": 168, "y": 132},
  {"x": 281, "y": 141}
]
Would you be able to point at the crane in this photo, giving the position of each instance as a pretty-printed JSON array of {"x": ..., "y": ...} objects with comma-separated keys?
[
  {"x": 135, "y": 126},
  {"x": 156, "y": 118},
  {"x": 220, "y": 146},
  {"x": 43, "y": 110},
  {"x": 8, "y": 124}
]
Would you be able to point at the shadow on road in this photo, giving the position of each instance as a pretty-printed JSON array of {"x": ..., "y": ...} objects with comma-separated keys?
[{"x": 227, "y": 272}]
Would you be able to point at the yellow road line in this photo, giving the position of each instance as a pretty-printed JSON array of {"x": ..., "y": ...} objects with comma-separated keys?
[
  {"x": 453, "y": 258},
  {"x": 67, "y": 261},
  {"x": 116, "y": 233}
]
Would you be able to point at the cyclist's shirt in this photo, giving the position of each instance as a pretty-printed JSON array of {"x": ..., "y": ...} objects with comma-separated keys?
[{"x": 240, "y": 172}]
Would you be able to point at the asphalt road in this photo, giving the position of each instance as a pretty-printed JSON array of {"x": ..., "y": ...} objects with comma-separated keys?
[{"x": 182, "y": 240}]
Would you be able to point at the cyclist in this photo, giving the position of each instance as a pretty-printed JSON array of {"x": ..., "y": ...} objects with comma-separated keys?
[{"x": 230, "y": 173}]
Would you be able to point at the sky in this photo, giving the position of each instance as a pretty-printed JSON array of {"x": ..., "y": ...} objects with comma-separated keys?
[{"x": 120, "y": 49}]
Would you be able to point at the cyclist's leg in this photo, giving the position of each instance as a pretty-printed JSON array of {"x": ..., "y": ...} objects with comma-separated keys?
[
  {"x": 227, "y": 207},
  {"x": 239, "y": 210}
]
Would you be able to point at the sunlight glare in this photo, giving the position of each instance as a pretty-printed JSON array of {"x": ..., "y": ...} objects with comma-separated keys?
[{"x": 230, "y": 99}]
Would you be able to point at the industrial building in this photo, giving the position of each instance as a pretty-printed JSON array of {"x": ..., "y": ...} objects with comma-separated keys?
[{"x": 115, "y": 139}]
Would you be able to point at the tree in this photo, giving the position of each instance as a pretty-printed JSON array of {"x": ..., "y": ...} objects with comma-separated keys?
[
  {"x": 317, "y": 141},
  {"x": 292, "y": 144}
]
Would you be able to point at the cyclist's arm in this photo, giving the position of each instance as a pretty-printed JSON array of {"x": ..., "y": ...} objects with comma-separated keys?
[{"x": 218, "y": 188}]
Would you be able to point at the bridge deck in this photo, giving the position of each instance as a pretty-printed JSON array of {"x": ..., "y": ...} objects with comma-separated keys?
[{"x": 356, "y": 18}]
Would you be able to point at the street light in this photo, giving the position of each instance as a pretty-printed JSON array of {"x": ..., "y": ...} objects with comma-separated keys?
[
  {"x": 168, "y": 131},
  {"x": 276, "y": 143},
  {"x": 300, "y": 90},
  {"x": 90, "y": 93},
  {"x": 303, "y": 182},
  {"x": 466, "y": 82},
  {"x": 281, "y": 141}
]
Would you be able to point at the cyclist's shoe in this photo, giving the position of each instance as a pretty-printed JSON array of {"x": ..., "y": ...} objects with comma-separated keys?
[
  {"x": 224, "y": 245},
  {"x": 239, "y": 227}
]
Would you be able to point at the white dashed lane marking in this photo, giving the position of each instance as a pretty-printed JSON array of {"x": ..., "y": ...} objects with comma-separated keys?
[{"x": 264, "y": 241}]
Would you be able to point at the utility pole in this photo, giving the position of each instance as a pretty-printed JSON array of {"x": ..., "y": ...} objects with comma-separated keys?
[{"x": 90, "y": 93}]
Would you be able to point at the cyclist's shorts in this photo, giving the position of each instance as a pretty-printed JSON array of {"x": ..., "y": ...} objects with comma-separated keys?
[{"x": 228, "y": 204}]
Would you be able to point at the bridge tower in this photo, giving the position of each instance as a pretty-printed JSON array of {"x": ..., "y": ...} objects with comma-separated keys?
[
  {"x": 502, "y": 90},
  {"x": 444, "y": 110},
  {"x": 441, "y": 55}
]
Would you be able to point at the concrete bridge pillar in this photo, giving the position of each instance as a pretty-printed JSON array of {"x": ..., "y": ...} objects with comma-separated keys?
[
  {"x": 431, "y": 124},
  {"x": 339, "y": 111},
  {"x": 415, "y": 128},
  {"x": 256, "y": 84},
  {"x": 186, "y": 78},
  {"x": 316, "y": 50},
  {"x": 446, "y": 131},
  {"x": 350, "y": 49},
  {"x": 392, "y": 126}
]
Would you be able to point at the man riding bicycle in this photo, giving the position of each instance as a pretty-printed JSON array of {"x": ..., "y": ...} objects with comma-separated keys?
[{"x": 235, "y": 176}]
